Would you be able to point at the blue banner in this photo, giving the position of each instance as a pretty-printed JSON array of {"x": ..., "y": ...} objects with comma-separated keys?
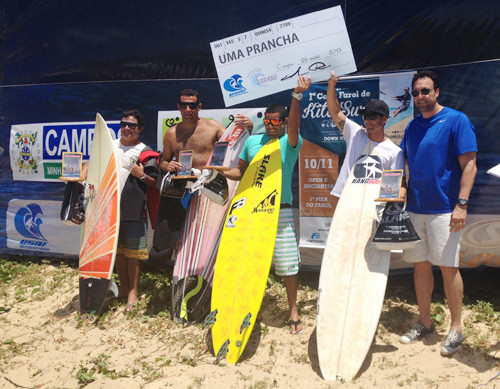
[{"x": 471, "y": 88}]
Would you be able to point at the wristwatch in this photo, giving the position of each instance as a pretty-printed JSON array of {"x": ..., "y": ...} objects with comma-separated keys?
[
  {"x": 463, "y": 202},
  {"x": 298, "y": 96},
  {"x": 143, "y": 178}
]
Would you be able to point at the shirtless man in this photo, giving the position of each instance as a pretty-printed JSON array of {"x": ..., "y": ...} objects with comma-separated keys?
[{"x": 193, "y": 133}]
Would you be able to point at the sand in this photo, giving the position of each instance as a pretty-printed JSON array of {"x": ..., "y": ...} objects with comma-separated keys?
[{"x": 47, "y": 344}]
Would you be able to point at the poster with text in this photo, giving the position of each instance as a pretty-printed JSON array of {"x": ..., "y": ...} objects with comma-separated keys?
[{"x": 324, "y": 148}]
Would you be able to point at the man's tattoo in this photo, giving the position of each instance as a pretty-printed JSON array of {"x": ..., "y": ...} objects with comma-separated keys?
[{"x": 341, "y": 125}]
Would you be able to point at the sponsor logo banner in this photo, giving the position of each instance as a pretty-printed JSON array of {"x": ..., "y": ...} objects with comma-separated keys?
[
  {"x": 480, "y": 244},
  {"x": 324, "y": 147},
  {"x": 314, "y": 231},
  {"x": 35, "y": 225},
  {"x": 168, "y": 119},
  {"x": 36, "y": 149}
]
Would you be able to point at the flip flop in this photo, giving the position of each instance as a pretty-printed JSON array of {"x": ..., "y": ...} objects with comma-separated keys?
[
  {"x": 295, "y": 323},
  {"x": 130, "y": 307}
]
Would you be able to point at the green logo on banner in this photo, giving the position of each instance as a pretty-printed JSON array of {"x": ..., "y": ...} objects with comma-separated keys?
[{"x": 52, "y": 170}]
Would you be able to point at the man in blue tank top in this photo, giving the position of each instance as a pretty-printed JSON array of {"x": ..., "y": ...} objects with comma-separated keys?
[{"x": 440, "y": 147}]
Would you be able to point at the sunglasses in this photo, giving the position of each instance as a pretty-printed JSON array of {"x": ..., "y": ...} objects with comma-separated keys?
[
  {"x": 371, "y": 115},
  {"x": 424, "y": 91},
  {"x": 190, "y": 105},
  {"x": 132, "y": 126},
  {"x": 274, "y": 122}
]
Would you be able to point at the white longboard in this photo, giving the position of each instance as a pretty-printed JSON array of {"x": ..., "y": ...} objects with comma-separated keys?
[{"x": 353, "y": 275}]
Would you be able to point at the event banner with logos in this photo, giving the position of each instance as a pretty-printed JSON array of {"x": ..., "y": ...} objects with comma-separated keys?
[
  {"x": 36, "y": 155},
  {"x": 270, "y": 58},
  {"x": 35, "y": 225},
  {"x": 36, "y": 150},
  {"x": 322, "y": 154},
  {"x": 31, "y": 194},
  {"x": 168, "y": 119}
]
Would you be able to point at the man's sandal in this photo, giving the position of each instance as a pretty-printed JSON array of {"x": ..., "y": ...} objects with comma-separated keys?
[{"x": 295, "y": 323}]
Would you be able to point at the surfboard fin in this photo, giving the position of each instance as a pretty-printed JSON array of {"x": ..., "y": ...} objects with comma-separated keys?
[
  {"x": 246, "y": 322},
  {"x": 222, "y": 353},
  {"x": 113, "y": 288},
  {"x": 210, "y": 319}
]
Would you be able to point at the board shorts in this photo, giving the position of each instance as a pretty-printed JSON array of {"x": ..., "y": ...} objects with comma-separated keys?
[
  {"x": 286, "y": 256},
  {"x": 133, "y": 239},
  {"x": 438, "y": 245}
]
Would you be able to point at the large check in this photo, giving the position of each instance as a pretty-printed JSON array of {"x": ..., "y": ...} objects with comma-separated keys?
[{"x": 269, "y": 59}]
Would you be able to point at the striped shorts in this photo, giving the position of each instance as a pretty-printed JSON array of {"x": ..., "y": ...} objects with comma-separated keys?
[
  {"x": 286, "y": 256},
  {"x": 133, "y": 239}
]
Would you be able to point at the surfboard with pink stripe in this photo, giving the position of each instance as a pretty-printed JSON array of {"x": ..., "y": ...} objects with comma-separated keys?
[{"x": 199, "y": 243}]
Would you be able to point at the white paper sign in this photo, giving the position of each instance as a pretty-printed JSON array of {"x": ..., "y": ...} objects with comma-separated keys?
[{"x": 269, "y": 59}]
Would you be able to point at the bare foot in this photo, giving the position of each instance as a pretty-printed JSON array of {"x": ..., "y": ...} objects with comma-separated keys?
[{"x": 132, "y": 299}]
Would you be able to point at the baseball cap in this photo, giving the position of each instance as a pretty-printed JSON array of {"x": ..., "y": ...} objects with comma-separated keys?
[{"x": 377, "y": 106}]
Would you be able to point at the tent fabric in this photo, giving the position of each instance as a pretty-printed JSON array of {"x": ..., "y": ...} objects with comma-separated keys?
[
  {"x": 59, "y": 41},
  {"x": 64, "y": 61}
]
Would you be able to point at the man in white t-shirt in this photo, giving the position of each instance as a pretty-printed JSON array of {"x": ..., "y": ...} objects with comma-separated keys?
[
  {"x": 375, "y": 115},
  {"x": 135, "y": 178}
]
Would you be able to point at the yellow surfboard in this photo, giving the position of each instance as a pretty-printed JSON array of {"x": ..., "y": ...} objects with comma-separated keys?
[{"x": 245, "y": 254}]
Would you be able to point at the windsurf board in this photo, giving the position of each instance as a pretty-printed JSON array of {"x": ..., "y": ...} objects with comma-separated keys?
[{"x": 199, "y": 243}]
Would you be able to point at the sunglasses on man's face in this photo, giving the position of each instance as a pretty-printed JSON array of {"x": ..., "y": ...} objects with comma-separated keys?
[
  {"x": 274, "y": 122},
  {"x": 130, "y": 125},
  {"x": 190, "y": 105},
  {"x": 370, "y": 115},
  {"x": 424, "y": 91}
]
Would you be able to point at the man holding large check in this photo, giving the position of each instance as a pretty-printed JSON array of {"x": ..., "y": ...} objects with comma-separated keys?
[{"x": 269, "y": 59}]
